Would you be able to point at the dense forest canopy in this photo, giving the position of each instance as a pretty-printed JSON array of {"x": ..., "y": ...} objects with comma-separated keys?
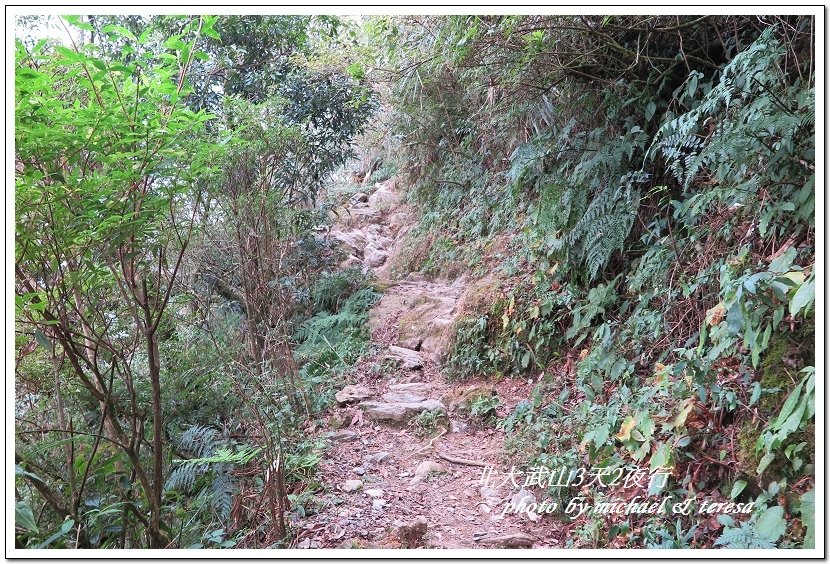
[{"x": 630, "y": 201}]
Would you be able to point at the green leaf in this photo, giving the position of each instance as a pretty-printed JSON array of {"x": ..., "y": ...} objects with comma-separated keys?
[
  {"x": 65, "y": 528},
  {"x": 765, "y": 461},
  {"x": 737, "y": 488},
  {"x": 175, "y": 43},
  {"x": 23, "y": 517},
  {"x": 76, "y": 22},
  {"x": 601, "y": 435},
  {"x": 734, "y": 318},
  {"x": 68, "y": 53},
  {"x": 120, "y": 30},
  {"x": 651, "y": 107},
  {"x": 356, "y": 71},
  {"x": 803, "y": 297},
  {"x": 807, "y": 509},
  {"x": 788, "y": 407},
  {"x": 662, "y": 457},
  {"x": 19, "y": 471},
  {"x": 145, "y": 35},
  {"x": 771, "y": 525},
  {"x": 756, "y": 393},
  {"x": 782, "y": 263},
  {"x": 210, "y": 32}
]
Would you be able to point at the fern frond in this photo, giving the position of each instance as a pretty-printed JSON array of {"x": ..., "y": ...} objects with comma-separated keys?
[{"x": 744, "y": 536}]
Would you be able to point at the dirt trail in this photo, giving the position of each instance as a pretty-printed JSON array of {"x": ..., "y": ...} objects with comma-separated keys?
[{"x": 392, "y": 478}]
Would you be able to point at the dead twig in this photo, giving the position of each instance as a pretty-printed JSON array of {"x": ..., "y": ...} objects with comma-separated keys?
[{"x": 465, "y": 461}]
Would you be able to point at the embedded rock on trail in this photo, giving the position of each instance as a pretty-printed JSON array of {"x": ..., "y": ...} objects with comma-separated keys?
[
  {"x": 412, "y": 534},
  {"x": 398, "y": 412},
  {"x": 350, "y": 486},
  {"x": 407, "y": 358},
  {"x": 352, "y": 394},
  {"x": 424, "y": 312},
  {"x": 426, "y": 467},
  {"x": 376, "y": 458},
  {"x": 421, "y": 388},
  {"x": 515, "y": 540}
]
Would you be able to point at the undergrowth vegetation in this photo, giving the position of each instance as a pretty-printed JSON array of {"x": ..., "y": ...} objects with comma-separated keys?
[
  {"x": 180, "y": 319},
  {"x": 656, "y": 176}
]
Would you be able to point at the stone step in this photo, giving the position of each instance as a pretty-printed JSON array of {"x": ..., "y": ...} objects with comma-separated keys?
[
  {"x": 352, "y": 394},
  {"x": 402, "y": 397},
  {"x": 398, "y": 412},
  {"x": 407, "y": 358},
  {"x": 422, "y": 388}
]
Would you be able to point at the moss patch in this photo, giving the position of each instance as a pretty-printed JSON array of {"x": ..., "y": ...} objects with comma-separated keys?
[{"x": 788, "y": 352}]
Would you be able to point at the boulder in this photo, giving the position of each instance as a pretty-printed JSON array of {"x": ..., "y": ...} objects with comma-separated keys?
[
  {"x": 374, "y": 257},
  {"x": 354, "y": 241},
  {"x": 339, "y": 420},
  {"x": 384, "y": 196}
]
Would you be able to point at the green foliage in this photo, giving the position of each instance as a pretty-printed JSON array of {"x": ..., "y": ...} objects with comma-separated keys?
[
  {"x": 661, "y": 207},
  {"x": 24, "y": 518},
  {"x": 148, "y": 291},
  {"x": 483, "y": 407},
  {"x": 210, "y": 473},
  {"x": 332, "y": 289},
  {"x": 301, "y": 464},
  {"x": 762, "y": 531},
  {"x": 429, "y": 423},
  {"x": 519, "y": 333},
  {"x": 342, "y": 333},
  {"x": 807, "y": 509},
  {"x": 796, "y": 413}
]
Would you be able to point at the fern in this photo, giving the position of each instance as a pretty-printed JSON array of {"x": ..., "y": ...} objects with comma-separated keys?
[
  {"x": 211, "y": 472},
  {"x": 332, "y": 289},
  {"x": 528, "y": 160},
  {"x": 745, "y": 91},
  {"x": 200, "y": 441},
  {"x": 745, "y": 536},
  {"x": 331, "y": 328},
  {"x": 325, "y": 327},
  {"x": 605, "y": 225},
  {"x": 763, "y": 530}
]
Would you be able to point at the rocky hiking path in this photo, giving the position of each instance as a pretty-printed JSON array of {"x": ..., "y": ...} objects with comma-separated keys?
[{"x": 394, "y": 477}]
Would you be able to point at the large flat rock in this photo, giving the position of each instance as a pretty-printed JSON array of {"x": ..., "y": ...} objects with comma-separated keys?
[
  {"x": 352, "y": 394},
  {"x": 398, "y": 412},
  {"x": 407, "y": 358},
  {"x": 402, "y": 397},
  {"x": 419, "y": 388}
]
